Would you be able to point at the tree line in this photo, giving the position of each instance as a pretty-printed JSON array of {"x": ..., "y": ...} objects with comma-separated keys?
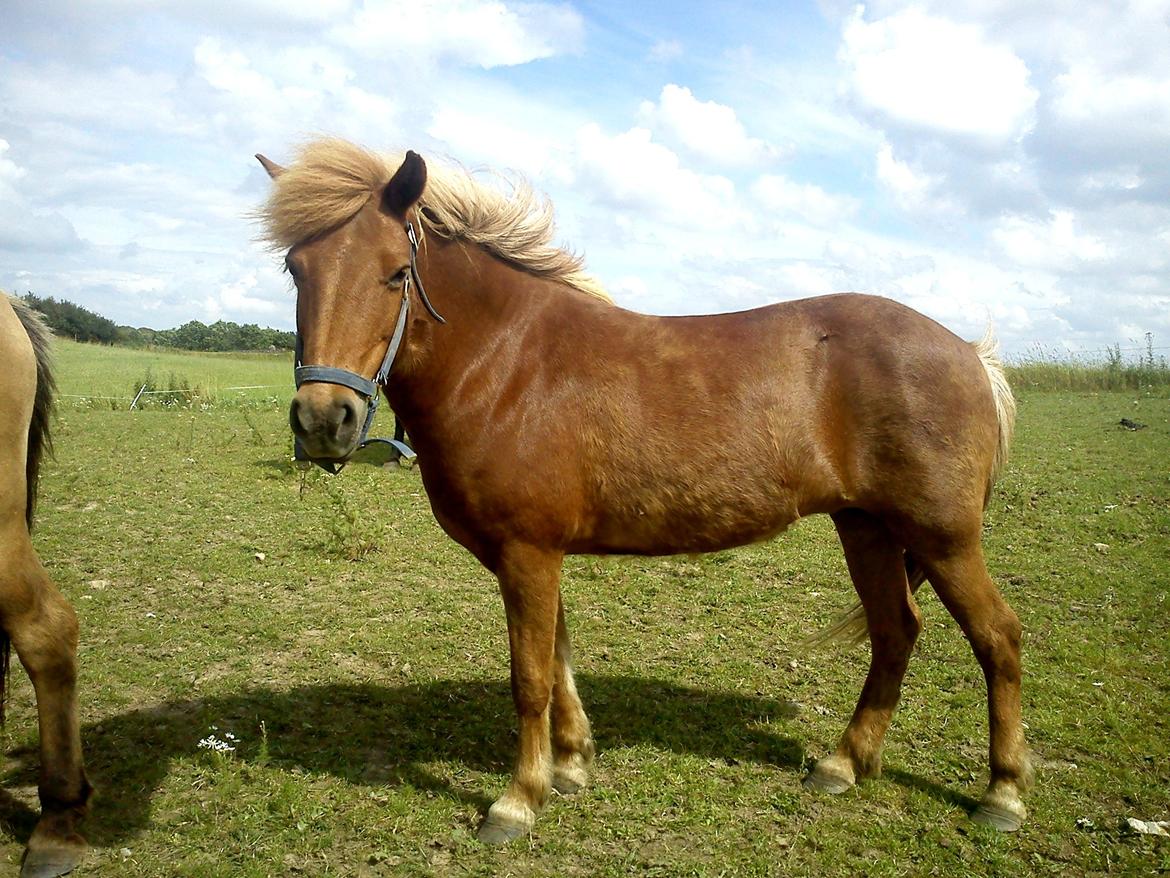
[{"x": 73, "y": 321}]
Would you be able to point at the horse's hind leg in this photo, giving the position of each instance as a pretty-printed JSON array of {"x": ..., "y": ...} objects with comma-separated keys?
[
  {"x": 43, "y": 628},
  {"x": 960, "y": 579},
  {"x": 530, "y": 585},
  {"x": 877, "y": 566},
  {"x": 572, "y": 740}
]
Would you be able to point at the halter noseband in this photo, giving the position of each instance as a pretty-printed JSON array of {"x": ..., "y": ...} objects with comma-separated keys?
[{"x": 367, "y": 388}]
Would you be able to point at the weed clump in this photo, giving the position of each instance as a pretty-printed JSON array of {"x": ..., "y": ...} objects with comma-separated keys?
[
  {"x": 1048, "y": 369},
  {"x": 169, "y": 391}
]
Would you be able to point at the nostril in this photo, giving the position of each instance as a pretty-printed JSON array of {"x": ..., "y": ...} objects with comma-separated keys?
[
  {"x": 348, "y": 413},
  {"x": 294, "y": 419}
]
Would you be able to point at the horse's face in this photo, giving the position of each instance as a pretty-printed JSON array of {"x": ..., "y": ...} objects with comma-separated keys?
[{"x": 349, "y": 291}]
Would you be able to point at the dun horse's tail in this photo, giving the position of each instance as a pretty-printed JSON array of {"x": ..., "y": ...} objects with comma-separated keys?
[
  {"x": 852, "y": 627},
  {"x": 39, "y": 440}
]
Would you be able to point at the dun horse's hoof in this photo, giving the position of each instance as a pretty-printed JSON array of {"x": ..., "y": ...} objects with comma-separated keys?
[
  {"x": 50, "y": 861},
  {"x": 55, "y": 847},
  {"x": 567, "y": 785},
  {"x": 825, "y": 783},
  {"x": 1003, "y": 819},
  {"x": 832, "y": 775},
  {"x": 499, "y": 833},
  {"x": 571, "y": 775}
]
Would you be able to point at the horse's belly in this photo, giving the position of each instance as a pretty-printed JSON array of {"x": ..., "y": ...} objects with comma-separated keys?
[{"x": 667, "y": 523}]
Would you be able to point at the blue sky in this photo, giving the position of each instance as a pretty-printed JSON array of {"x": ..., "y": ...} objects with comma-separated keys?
[{"x": 979, "y": 161}]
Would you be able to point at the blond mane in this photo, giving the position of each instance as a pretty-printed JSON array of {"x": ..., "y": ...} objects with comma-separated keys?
[{"x": 331, "y": 179}]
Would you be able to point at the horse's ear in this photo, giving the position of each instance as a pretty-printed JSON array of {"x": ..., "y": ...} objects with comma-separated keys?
[
  {"x": 406, "y": 186},
  {"x": 274, "y": 170}
]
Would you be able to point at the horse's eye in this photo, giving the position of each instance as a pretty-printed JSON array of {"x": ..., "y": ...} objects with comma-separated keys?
[{"x": 398, "y": 278}]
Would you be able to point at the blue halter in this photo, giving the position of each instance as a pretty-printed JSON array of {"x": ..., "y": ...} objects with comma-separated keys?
[{"x": 367, "y": 388}]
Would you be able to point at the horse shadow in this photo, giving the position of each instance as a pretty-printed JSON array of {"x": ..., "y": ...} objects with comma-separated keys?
[{"x": 376, "y": 735}]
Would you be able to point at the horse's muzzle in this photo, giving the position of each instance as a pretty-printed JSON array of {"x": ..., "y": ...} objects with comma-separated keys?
[{"x": 327, "y": 419}]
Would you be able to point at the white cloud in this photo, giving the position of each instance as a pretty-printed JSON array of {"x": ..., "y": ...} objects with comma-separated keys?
[
  {"x": 1085, "y": 94},
  {"x": 23, "y": 228},
  {"x": 666, "y": 50},
  {"x": 10, "y": 173},
  {"x": 238, "y": 296},
  {"x": 499, "y": 141},
  {"x": 481, "y": 33},
  {"x": 39, "y": 231},
  {"x": 110, "y": 99},
  {"x": 1053, "y": 244},
  {"x": 631, "y": 171},
  {"x": 911, "y": 187},
  {"x": 935, "y": 75},
  {"x": 804, "y": 201},
  {"x": 710, "y": 130},
  {"x": 278, "y": 92}
]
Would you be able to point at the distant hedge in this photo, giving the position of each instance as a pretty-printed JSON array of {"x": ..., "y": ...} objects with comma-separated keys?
[
  {"x": 73, "y": 321},
  {"x": 219, "y": 336}
]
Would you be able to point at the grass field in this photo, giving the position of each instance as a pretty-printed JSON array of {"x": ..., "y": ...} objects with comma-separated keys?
[
  {"x": 358, "y": 660},
  {"x": 106, "y": 377}
]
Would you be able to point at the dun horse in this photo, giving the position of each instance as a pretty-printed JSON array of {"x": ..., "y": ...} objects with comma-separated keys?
[
  {"x": 34, "y": 616},
  {"x": 548, "y": 422}
]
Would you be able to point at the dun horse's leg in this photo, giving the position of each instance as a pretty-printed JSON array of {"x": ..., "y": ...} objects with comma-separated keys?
[
  {"x": 572, "y": 740},
  {"x": 530, "y": 585},
  {"x": 877, "y": 566},
  {"x": 993, "y": 629},
  {"x": 43, "y": 628}
]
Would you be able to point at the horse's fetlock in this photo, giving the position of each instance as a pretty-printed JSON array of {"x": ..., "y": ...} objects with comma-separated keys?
[{"x": 570, "y": 773}]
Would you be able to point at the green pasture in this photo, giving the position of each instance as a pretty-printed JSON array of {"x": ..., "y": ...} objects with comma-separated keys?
[
  {"x": 109, "y": 377},
  {"x": 356, "y": 659}
]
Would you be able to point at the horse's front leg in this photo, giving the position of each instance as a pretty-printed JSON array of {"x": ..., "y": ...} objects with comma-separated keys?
[{"x": 530, "y": 585}]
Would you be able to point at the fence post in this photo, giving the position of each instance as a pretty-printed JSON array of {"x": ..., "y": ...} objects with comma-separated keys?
[{"x": 136, "y": 396}]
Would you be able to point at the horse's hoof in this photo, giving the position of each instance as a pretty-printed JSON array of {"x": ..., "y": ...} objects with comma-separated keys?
[
  {"x": 507, "y": 819},
  {"x": 832, "y": 775},
  {"x": 48, "y": 862},
  {"x": 567, "y": 786},
  {"x": 494, "y": 833},
  {"x": 1003, "y": 819},
  {"x": 825, "y": 783}
]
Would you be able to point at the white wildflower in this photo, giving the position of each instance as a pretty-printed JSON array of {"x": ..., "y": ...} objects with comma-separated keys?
[{"x": 227, "y": 744}]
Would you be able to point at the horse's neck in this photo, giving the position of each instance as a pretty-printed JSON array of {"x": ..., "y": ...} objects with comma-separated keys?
[{"x": 491, "y": 308}]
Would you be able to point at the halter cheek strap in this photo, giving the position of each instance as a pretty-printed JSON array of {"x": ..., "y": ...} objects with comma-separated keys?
[{"x": 422, "y": 293}]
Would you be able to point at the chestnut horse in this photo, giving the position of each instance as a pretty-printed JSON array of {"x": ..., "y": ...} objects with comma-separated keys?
[
  {"x": 548, "y": 422},
  {"x": 34, "y": 616}
]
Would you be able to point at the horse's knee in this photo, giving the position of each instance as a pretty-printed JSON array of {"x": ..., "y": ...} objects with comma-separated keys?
[
  {"x": 531, "y": 699},
  {"x": 996, "y": 643}
]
